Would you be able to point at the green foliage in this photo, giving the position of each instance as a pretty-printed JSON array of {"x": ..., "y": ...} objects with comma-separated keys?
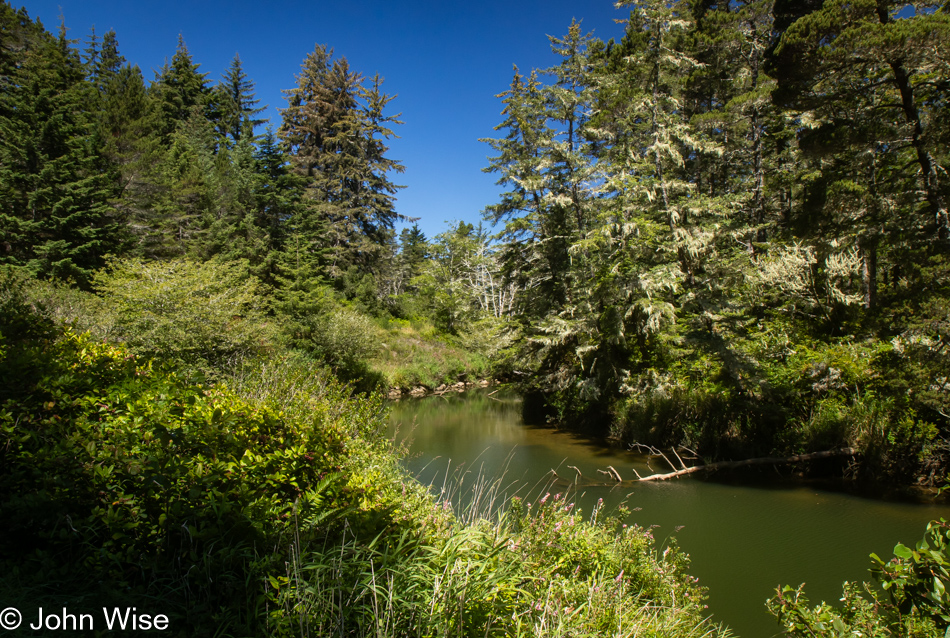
[
  {"x": 728, "y": 230},
  {"x": 313, "y": 320},
  {"x": 335, "y": 131},
  {"x": 415, "y": 354},
  {"x": 268, "y": 503},
  {"x": 55, "y": 186},
  {"x": 203, "y": 315},
  {"x": 536, "y": 571},
  {"x": 157, "y": 486},
  {"x": 912, "y": 600}
]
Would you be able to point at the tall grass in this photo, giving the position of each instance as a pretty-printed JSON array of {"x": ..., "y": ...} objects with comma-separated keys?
[{"x": 487, "y": 562}]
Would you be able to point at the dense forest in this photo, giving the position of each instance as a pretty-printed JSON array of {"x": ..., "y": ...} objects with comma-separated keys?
[{"x": 727, "y": 231}]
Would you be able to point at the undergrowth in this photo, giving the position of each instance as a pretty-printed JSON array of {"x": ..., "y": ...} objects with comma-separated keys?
[{"x": 268, "y": 503}]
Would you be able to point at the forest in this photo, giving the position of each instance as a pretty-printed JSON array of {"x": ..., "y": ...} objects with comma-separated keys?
[{"x": 726, "y": 232}]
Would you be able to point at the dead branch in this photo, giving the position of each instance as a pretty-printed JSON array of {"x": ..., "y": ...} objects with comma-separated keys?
[
  {"x": 683, "y": 465},
  {"x": 728, "y": 465}
]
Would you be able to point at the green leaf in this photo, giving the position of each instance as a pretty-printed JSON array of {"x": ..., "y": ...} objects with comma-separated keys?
[{"x": 901, "y": 551}]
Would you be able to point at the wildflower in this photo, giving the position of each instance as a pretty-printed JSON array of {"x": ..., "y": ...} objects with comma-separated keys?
[{"x": 545, "y": 498}]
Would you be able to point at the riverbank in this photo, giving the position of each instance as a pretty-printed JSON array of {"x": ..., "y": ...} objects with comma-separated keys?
[
  {"x": 256, "y": 504},
  {"x": 419, "y": 391},
  {"x": 743, "y": 536}
]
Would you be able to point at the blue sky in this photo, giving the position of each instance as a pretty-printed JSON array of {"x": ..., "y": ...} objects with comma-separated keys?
[{"x": 445, "y": 60}]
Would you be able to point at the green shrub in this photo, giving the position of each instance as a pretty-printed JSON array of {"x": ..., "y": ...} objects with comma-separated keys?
[
  {"x": 912, "y": 601},
  {"x": 206, "y": 315},
  {"x": 121, "y": 472},
  {"x": 268, "y": 504}
]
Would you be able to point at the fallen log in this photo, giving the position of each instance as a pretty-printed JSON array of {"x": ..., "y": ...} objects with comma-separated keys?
[{"x": 728, "y": 465}]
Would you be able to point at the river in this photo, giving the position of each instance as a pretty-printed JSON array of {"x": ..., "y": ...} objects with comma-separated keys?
[{"x": 743, "y": 540}]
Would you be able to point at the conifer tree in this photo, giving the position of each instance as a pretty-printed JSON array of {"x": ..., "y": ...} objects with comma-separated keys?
[
  {"x": 181, "y": 91},
  {"x": 335, "y": 132},
  {"x": 860, "y": 57},
  {"x": 236, "y": 104},
  {"x": 523, "y": 209},
  {"x": 55, "y": 188},
  {"x": 103, "y": 61},
  {"x": 872, "y": 117}
]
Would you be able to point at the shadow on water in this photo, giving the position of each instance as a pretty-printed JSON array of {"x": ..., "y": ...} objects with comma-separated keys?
[{"x": 745, "y": 537}]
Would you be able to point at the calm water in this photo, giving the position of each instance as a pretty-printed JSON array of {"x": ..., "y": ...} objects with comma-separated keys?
[{"x": 743, "y": 541}]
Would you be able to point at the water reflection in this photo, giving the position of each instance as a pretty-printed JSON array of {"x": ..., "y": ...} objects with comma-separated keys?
[{"x": 743, "y": 540}]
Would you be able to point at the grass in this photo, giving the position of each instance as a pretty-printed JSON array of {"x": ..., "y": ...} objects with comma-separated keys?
[
  {"x": 413, "y": 354},
  {"x": 487, "y": 564},
  {"x": 284, "y": 512}
]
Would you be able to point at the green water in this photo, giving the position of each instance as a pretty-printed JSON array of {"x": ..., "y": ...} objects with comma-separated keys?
[{"x": 743, "y": 540}]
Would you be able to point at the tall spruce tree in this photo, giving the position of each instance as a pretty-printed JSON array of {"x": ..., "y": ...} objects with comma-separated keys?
[
  {"x": 180, "y": 90},
  {"x": 55, "y": 187},
  {"x": 335, "y": 132},
  {"x": 236, "y": 104},
  {"x": 871, "y": 108},
  {"x": 522, "y": 211}
]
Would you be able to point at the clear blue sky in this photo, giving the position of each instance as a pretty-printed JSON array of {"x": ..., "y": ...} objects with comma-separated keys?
[{"x": 445, "y": 60}]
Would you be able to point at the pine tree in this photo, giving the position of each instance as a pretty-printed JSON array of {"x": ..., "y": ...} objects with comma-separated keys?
[
  {"x": 334, "y": 130},
  {"x": 236, "y": 104},
  {"x": 181, "y": 91},
  {"x": 857, "y": 57},
  {"x": 55, "y": 188},
  {"x": 103, "y": 61},
  {"x": 278, "y": 191},
  {"x": 129, "y": 129},
  {"x": 546, "y": 159},
  {"x": 872, "y": 116},
  {"x": 522, "y": 209}
]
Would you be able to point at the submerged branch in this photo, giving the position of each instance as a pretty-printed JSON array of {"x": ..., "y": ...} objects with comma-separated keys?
[{"x": 728, "y": 465}]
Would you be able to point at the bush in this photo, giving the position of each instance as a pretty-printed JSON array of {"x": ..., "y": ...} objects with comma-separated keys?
[
  {"x": 120, "y": 472},
  {"x": 206, "y": 315},
  {"x": 269, "y": 505},
  {"x": 912, "y": 601}
]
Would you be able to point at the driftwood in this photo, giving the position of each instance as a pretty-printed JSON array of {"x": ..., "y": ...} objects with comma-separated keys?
[
  {"x": 612, "y": 473},
  {"x": 728, "y": 465}
]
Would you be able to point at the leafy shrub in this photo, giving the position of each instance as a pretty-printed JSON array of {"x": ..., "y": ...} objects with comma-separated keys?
[
  {"x": 153, "y": 486},
  {"x": 206, "y": 315},
  {"x": 912, "y": 601}
]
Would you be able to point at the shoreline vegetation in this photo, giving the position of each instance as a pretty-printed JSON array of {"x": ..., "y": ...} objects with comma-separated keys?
[
  {"x": 269, "y": 503},
  {"x": 725, "y": 232}
]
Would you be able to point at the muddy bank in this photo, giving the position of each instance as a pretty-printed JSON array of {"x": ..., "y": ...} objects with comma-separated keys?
[{"x": 423, "y": 391}]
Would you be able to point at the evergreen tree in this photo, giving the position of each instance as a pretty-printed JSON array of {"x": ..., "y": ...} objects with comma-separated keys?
[
  {"x": 103, "y": 62},
  {"x": 522, "y": 209},
  {"x": 187, "y": 190},
  {"x": 859, "y": 57},
  {"x": 55, "y": 187},
  {"x": 335, "y": 132},
  {"x": 413, "y": 249},
  {"x": 278, "y": 192},
  {"x": 236, "y": 104},
  {"x": 181, "y": 91},
  {"x": 872, "y": 114}
]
